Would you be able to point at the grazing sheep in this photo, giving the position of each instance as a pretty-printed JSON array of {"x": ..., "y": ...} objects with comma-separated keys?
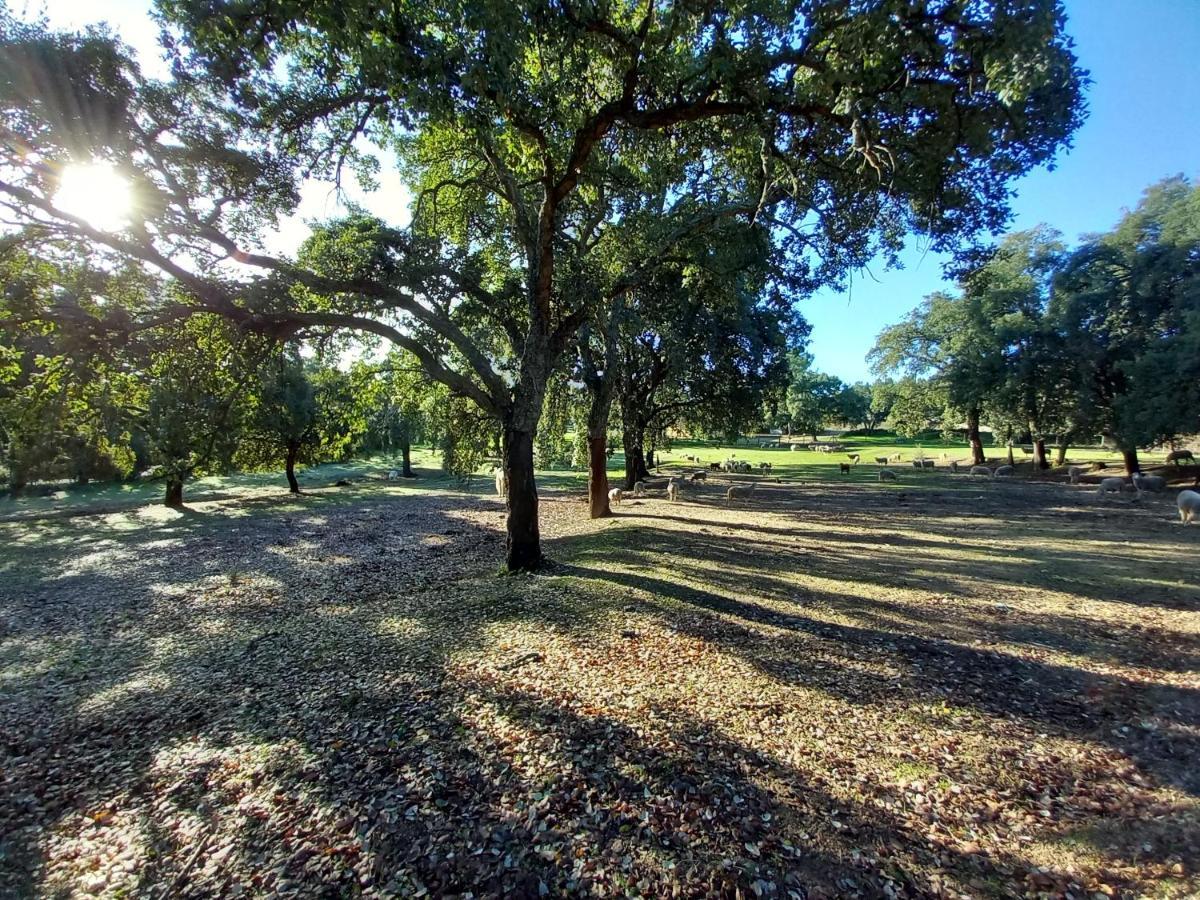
[
  {"x": 715, "y": 467},
  {"x": 615, "y": 496},
  {"x": 881, "y": 460},
  {"x": 954, "y": 466},
  {"x": 672, "y": 490},
  {"x": 699, "y": 476},
  {"x": 740, "y": 492},
  {"x": 1189, "y": 506},
  {"x": 501, "y": 482},
  {"x": 895, "y": 457},
  {"x": 854, "y": 458},
  {"x": 887, "y": 475},
  {"x": 1004, "y": 472},
  {"x": 918, "y": 463},
  {"x": 393, "y": 474},
  {"x": 1111, "y": 486},
  {"x": 928, "y": 464},
  {"x": 764, "y": 467},
  {"x": 981, "y": 471},
  {"x": 1076, "y": 472},
  {"x": 1178, "y": 456},
  {"x": 639, "y": 488},
  {"x": 1153, "y": 483},
  {"x": 844, "y": 468}
]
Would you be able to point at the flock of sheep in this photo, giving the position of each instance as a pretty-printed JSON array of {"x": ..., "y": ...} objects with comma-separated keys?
[{"x": 1188, "y": 501}]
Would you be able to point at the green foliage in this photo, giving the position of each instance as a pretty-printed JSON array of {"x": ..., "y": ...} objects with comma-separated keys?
[{"x": 813, "y": 398}]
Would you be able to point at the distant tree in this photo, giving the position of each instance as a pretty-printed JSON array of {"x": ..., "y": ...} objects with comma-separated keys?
[
  {"x": 813, "y": 398},
  {"x": 917, "y": 405},
  {"x": 883, "y": 396},
  {"x": 854, "y": 406},
  {"x": 1129, "y": 306}
]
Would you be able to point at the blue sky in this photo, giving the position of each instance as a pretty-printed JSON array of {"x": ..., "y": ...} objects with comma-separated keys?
[{"x": 1143, "y": 125}]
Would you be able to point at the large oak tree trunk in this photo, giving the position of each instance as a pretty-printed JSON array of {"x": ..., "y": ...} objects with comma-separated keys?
[
  {"x": 635, "y": 459},
  {"x": 406, "y": 459},
  {"x": 598, "y": 506},
  {"x": 1039, "y": 454},
  {"x": 293, "y": 451},
  {"x": 16, "y": 489},
  {"x": 973, "y": 438},
  {"x": 1130, "y": 457},
  {"x": 524, "y": 548},
  {"x": 174, "y": 495}
]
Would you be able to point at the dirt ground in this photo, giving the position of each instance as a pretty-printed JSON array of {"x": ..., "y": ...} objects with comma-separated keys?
[{"x": 846, "y": 689}]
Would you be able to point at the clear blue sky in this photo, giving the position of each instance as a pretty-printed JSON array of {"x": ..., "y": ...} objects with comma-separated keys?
[{"x": 1143, "y": 125}]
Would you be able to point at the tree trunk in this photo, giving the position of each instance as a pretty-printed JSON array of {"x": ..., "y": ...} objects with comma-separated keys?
[
  {"x": 290, "y": 468},
  {"x": 1060, "y": 455},
  {"x": 650, "y": 459},
  {"x": 16, "y": 489},
  {"x": 635, "y": 460},
  {"x": 82, "y": 479},
  {"x": 1011, "y": 460},
  {"x": 174, "y": 495},
  {"x": 406, "y": 459},
  {"x": 1130, "y": 457},
  {"x": 1039, "y": 454},
  {"x": 598, "y": 507},
  {"x": 524, "y": 547},
  {"x": 973, "y": 438}
]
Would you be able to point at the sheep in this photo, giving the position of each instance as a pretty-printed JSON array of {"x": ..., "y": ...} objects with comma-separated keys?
[
  {"x": 928, "y": 464},
  {"x": 615, "y": 496},
  {"x": 699, "y": 476},
  {"x": 639, "y": 488},
  {"x": 1178, "y": 456},
  {"x": 954, "y": 466},
  {"x": 1154, "y": 483},
  {"x": 764, "y": 467},
  {"x": 501, "y": 482},
  {"x": 918, "y": 463},
  {"x": 981, "y": 471},
  {"x": 1004, "y": 472},
  {"x": 887, "y": 475},
  {"x": 854, "y": 458},
  {"x": 844, "y": 468},
  {"x": 1110, "y": 485},
  {"x": 881, "y": 460},
  {"x": 714, "y": 467},
  {"x": 672, "y": 490},
  {"x": 1076, "y": 472},
  {"x": 393, "y": 474},
  {"x": 895, "y": 457},
  {"x": 740, "y": 491},
  {"x": 1189, "y": 506}
]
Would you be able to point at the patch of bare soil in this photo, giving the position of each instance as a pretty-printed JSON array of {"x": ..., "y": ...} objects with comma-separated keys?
[{"x": 839, "y": 690}]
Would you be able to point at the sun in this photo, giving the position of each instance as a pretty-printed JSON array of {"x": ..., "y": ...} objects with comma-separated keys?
[{"x": 96, "y": 193}]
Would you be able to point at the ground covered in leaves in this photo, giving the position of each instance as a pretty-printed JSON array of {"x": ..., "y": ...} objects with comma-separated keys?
[{"x": 838, "y": 690}]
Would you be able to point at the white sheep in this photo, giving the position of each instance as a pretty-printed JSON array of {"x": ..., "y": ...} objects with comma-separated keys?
[
  {"x": 740, "y": 491},
  {"x": 1189, "y": 506},
  {"x": 1004, "y": 472},
  {"x": 639, "y": 488},
  {"x": 1076, "y": 473},
  {"x": 981, "y": 471},
  {"x": 393, "y": 475},
  {"x": 1110, "y": 486},
  {"x": 615, "y": 496},
  {"x": 501, "y": 482},
  {"x": 887, "y": 475},
  {"x": 1153, "y": 483},
  {"x": 672, "y": 490}
]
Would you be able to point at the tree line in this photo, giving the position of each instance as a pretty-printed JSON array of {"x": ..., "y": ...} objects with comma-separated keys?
[
  {"x": 574, "y": 165},
  {"x": 1048, "y": 343}
]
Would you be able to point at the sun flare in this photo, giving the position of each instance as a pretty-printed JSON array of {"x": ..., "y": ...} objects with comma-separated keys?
[{"x": 96, "y": 193}]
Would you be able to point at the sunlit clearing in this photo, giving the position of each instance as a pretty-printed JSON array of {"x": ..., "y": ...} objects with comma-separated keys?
[{"x": 96, "y": 193}]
